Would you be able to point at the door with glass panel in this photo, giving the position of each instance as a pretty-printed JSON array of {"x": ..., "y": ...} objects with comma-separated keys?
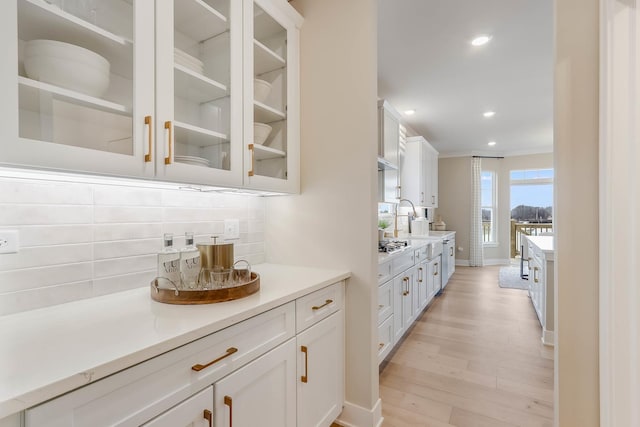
[
  {"x": 271, "y": 109},
  {"x": 78, "y": 85},
  {"x": 199, "y": 91}
]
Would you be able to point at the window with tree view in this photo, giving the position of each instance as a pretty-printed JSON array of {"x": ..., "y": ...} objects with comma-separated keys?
[
  {"x": 489, "y": 203},
  {"x": 532, "y": 196}
]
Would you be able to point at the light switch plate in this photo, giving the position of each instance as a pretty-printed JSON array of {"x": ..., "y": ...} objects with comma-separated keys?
[
  {"x": 231, "y": 228},
  {"x": 9, "y": 241}
]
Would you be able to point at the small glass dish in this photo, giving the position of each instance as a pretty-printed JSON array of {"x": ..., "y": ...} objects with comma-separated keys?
[{"x": 241, "y": 275}]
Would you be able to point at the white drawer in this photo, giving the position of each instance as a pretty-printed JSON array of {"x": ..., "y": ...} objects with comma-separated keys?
[
  {"x": 318, "y": 305},
  {"x": 150, "y": 388},
  {"x": 420, "y": 254},
  {"x": 385, "y": 338},
  {"x": 385, "y": 272},
  {"x": 385, "y": 301},
  {"x": 402, "y": 262}
]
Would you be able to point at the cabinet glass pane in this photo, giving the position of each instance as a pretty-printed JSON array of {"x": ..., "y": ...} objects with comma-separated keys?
[
  {"x": 270, "y": 99},
  {"x": 75, "y": 68},
  {"x": 202, "y": 82}
]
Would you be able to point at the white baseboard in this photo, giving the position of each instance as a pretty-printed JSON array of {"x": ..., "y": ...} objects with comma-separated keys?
[
  {"x": 465, "y": 262},
  {"x": 548, "y": 337},
  {"x": 356, "y": 416}
]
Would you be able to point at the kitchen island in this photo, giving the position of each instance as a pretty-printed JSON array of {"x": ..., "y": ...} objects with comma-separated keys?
[
  {"x": 52, "y": 351},
  {"x": 541, "y": 282}
]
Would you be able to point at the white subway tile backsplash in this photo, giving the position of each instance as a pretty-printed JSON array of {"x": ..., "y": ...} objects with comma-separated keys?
[
  {"x": 126, "y": 248},
  {"x": 45, "y": 193},
  {"x": 13, "y": 214},
  {"x": 46, "y": 255},
  {"x": 84, "y": 240},
  {"x": 31, "y": 278},
  {"x": 110, "y": 214}
]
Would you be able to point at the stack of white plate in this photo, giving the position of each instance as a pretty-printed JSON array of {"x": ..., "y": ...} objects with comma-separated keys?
[
  {"x": 194, "y": 161},
  {"x": 188, "y": 61}
]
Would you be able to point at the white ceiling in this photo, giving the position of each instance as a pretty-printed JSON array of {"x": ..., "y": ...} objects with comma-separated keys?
[{"x": 426, "y": 63}]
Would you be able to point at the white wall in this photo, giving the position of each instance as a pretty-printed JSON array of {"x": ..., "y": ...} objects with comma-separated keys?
[
  {"x": 455, "y": 198},
  {"x": 334, "y": 220},
  {"x": 576, "y": 214},
  {"x": 80, "y": 240}
]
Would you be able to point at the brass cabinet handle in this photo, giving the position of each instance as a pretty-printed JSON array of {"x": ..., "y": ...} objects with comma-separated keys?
[
  {"x": 433, "y": 199},
  {"x": 422, "y": 197},
  {"x": 380, "y": 306},
  {"x": 208, "y": 416},
  {"x": 451, "y": 251},
  {"x": 420, "y": 274},
  {"x": 435, "y": 273},
  {"x": 148, "y": 122},
  {"x": 318, "y": 307},
  {"x": 250, "y": 173},
  {"x": 535, "y": 276},
  {"x": 167, "y": 125},
  {"x": 380, "y": 346},
  {"x": 228, "y": 353},
  {"x": 304, "y": 377},
  {"x": 406, "y": 280},
  {"x": 399, "y": 192},
  {"x": 229, "y": 403}
]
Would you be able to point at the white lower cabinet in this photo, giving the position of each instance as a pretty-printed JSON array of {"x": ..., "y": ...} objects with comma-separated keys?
[
  {"x": 263, "y": 393},
  {"x": 321, "y": 372},
  {"x": 194, "y": 412},
  {"x": 249, "y": 374},
  {"x": 423, "y": 284}
]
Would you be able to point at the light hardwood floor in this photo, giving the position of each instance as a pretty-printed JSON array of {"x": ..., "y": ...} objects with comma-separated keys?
[{"x": 474, "y": 359}]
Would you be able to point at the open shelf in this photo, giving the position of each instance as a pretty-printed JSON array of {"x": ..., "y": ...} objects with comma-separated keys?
[
  {"x": 196, "y": 87},
  {"x": 264, "y": 114},
  {"x": 262, "y": 152},
  {"x": 265, "y": 59},
  {"x": 30, "y": 97},
  {"x": 197, "y": 20},
  {"x": 40, "y": 20},
  {"x": 197, "y": 136}
]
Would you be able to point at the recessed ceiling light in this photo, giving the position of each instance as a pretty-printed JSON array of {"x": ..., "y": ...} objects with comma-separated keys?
[
  {"x": 489, "y": 113},
  {"x": 491, "y": 143},
  {"x": 480, "y": 40},
  {"x": 410, "y": 112}
]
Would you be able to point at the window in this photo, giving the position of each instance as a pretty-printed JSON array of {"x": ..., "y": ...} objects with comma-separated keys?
[
  {"x": 532, "y": 195},
  {"x": 489, "y": 203}
]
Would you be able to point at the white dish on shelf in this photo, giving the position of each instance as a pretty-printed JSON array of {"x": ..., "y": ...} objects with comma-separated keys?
[
  {"x": 192, "y": 160},
  {"x": 261, "y": 132},
  {"x": 261, "y": 90},
  {"x": 67, "y": 65}
]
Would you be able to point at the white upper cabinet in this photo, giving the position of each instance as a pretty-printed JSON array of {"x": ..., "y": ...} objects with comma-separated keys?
[
  {"x": 390, "y": 152},
  {"x": 420, "y": 173},
  {"x": 179, "y": 103},
  {"x": 272, "y": 121},
  {"x": 79, "y": 99}
]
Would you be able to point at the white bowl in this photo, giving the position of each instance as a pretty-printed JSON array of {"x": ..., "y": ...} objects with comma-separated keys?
[
  {"x": 67, "y": 65},
  {"x": 261, "y": 90},
  {"x": 260, "y": 133}
]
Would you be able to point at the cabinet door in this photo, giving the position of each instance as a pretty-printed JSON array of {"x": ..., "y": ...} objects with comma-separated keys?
[
  {"x": 401, "y": 286},
  {"x": 271, "y": 54},
  {"x": 391, "y": 186},
  {"x": 321, "y": 372},
  {"x": 79, "y": 105},
  {"x": 263, "y": 393},
  {"x": 199, "y": 91},
  {"x": 422, "y": 284},
  {"x": 434, "y": 179},
  {"x": 408, "y": 310},
  {"x": 452, "y": 257},
  {"x": 197, "y": 411},
  {"x": 390, "y": 136}
]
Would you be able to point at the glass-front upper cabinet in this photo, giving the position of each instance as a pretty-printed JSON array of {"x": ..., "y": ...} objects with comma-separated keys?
[
  {"x": 199, "y": 91},
  {"x": 78, "y": 85},
  {"x": 272, "y": 119}
]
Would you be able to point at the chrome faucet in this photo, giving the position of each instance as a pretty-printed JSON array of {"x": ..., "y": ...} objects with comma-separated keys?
[{"x": 409, "y": 216}]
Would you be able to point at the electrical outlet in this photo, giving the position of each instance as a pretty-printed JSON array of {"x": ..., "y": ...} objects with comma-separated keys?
[
  {"x": 9, "y": 241},
  {"x": 231, "y": 228}
]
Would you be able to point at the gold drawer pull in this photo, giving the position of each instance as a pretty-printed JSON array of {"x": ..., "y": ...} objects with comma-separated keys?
[
  {"x": 250, "y": 172},
  {"x": 229, "y": 352},
  {"x": 168, "y": 127},
  {"x": 208, "y": 416},
  {"x": 318, "y": 307},
  {"x": 304, "y": 377},
  {"x": 380, "y": 346},
  {"x": 380, "y": 306},
  {"x": 229, "y": 403}
]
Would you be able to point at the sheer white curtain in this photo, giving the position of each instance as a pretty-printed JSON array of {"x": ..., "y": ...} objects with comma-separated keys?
[{"x": 476, "y": 256}]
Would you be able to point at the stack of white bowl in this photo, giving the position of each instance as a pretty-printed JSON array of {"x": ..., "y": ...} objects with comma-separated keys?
[
  {"x": 67, "y": 65},
  {"x": 192, "y": 160},
  {"x": 188, "y": 61}
]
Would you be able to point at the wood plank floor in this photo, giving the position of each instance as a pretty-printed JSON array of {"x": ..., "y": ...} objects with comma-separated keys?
[{"x": 473, "y": 359}]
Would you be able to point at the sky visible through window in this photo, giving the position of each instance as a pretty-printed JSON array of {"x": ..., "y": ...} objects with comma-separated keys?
[{"x": 532, "y": 188}]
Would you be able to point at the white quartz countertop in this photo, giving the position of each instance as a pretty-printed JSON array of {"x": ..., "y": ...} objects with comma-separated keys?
[
  {"x": 544, "y": 243},
  {"x": 48, "y": 352},
  {"x": 442, "y": 234}
]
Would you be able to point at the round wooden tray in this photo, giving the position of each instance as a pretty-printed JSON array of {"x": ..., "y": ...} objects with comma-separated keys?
[{"x": 208, "y": 296}]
